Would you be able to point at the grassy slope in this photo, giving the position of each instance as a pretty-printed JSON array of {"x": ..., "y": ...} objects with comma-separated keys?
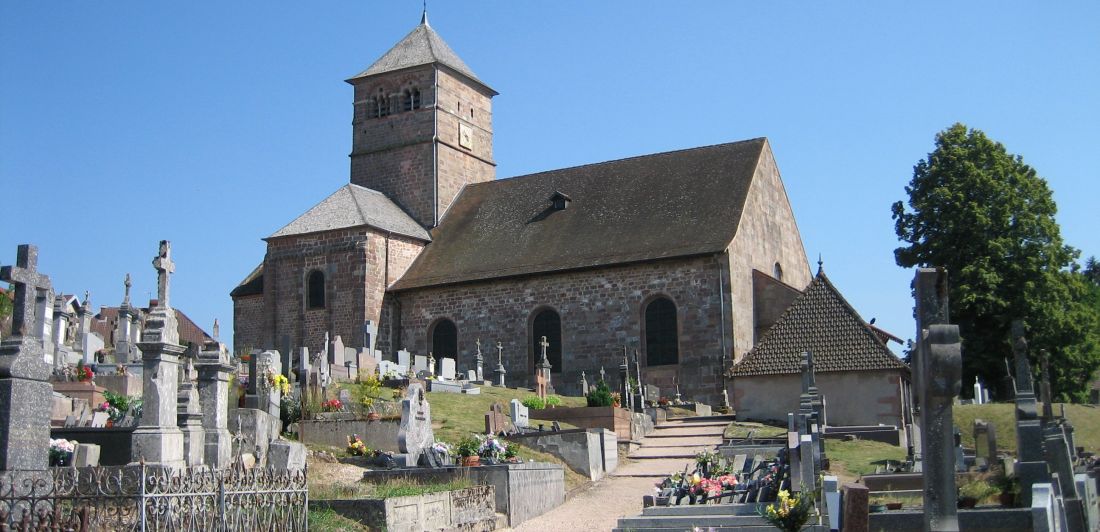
[{"x": 1084, "y": 418}]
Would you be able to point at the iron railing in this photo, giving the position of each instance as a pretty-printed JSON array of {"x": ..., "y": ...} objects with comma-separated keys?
[{"x": 153, "y": 498}]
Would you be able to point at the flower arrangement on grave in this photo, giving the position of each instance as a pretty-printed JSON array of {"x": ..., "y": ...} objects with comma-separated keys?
[
  {"x": 511, "y": 452},
  {"x": 83, "y": 373},
  {"x": 788, "y": 512},
  {"x": 467, "y": 450},
  {"x": 662, "y": 401},
  {"x": 616, "y": 399},
  {"x": 332, "y": 405},
  {"x": 443, "y": 447},
  {"x": 290, "y": 410},
  {"x": 356, "y": 447},
  {"x": 491, "y": 448},
  {"x": 61, "y": 452},
  {"x": 277, "y": 381},
  {"x": 116, "y": 405}
]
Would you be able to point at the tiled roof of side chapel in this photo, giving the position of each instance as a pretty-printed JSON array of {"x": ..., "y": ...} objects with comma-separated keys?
[
  {"x": 352, "y": 206},
  {"x": 422, "y": 46},
  {"x": 820, "y": 320},
  {"x": 675, "y": 204}
]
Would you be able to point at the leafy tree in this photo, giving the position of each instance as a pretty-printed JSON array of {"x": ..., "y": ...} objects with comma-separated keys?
[
  {"x": 1092, "y": 271},
  {"x": 988, "y": 218}
]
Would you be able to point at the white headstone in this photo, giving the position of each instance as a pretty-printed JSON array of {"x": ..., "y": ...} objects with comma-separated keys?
[
  {"x": 519, "y": 413},
  {"x": 403, "y": 358},
  {"x": 471, "y": 375},
  {"x": 99, "y": 419},
  {"x": 448, "y": 371},
  {"x": 337, "y": 350},
  {"x": 977, "y": 392},
  {"x": 415, "y": 432},
  {"x": 420, "y": 363}
]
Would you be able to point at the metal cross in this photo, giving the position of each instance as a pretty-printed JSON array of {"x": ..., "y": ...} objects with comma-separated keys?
[
  {"x": 164, "y": 265},
  {"x": 24, "y": 275}
]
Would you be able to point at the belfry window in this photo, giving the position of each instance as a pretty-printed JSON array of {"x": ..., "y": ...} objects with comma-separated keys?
[
  {"x": 661, "y": 341},
  {"x": 778, "y": 272},
  {"x": 410, "y": 99},
  {"x": 315, "y": 290},
  {"x": 546, "y": 323}
]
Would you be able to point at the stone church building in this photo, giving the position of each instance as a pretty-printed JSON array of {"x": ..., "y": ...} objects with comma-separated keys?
[{"x": 669, "y": 254}]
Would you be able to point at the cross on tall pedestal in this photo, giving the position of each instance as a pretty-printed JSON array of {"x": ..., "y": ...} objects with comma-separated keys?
[
  {"x": 165, "y": 267},
  {"x": 24, "y": 275},
  {"x": 544, "y": 344},
  {"x": 126, "y": 294},
  {"x": 500, "y": 353}
]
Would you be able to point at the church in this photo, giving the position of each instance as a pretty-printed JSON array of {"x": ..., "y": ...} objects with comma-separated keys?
[{"x": 674, "y": 256}]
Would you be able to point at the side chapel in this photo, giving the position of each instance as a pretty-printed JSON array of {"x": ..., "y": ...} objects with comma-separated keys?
[{"x": 659, "y": 253}]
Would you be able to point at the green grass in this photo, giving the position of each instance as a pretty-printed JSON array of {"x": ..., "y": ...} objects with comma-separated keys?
[
  {"x": 327, "y": 520},
  {"x": 400, "y": 487},
  {"x": 850, "y": 459},
  {"x": 741, "y": 429},
  {"x": 1084, "y": 418}
]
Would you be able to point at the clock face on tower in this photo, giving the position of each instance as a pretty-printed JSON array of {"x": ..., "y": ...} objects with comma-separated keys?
[{"x": 465, "y": 136}]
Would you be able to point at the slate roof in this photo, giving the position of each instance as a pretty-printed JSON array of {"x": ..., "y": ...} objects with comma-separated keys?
[
  {"x": 251, "y": 285},
  {"x": 106, "y": 322},
  {"x": 422, "y": 46},
  {"x": 672, "y": 204},
  {"x": 352, "y": 206},
  {"x": 820, "y": 320}
]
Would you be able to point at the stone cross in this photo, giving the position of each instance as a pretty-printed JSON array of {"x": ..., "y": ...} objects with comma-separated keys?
[
  {"x": 431, "y": 363},
  {"x": 495, "y": 420},
  {"x": 479, "y": 361},
  {"x": 542, "y": 372},
  {"x": 189, "y": 412},
  {"x": 500, "y": 371},
  {"x": 624, "y": 379},
  {"x": 415, "y": 432},
  {"x": 165, "y": 267},
  {"x": 603, "y": 375},
  {"x": 370, "y": 334},
  {"x": 943, "y": 382},
  {"x": 24, "y": 392},
  {"x": 303, "y": 367},
  {"x": 584, "y": 383},
  {"x": 126, "y": 284},
  {"x": 24, "y": 275}
]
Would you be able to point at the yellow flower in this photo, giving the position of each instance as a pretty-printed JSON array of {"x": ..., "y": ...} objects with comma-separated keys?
[{"x": 784, "y": 495}]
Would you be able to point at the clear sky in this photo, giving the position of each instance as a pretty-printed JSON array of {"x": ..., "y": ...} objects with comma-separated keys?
[{"x": 213, "y": 124}]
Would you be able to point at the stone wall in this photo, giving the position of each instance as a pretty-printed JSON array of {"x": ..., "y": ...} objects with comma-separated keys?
[
  {"x": 356, "y": 262},
  {"x": 590, "y": 452},
  {"x": 380, "y": 434},
  {"x": 470, "y": 509},
  {"x": 462, "y": 159},
  {"x": 767, "y": 235},
  {"x": 600, "y": 309},
  {"x": 248, "y": 323},
  {"x": 852, "y": 398}
]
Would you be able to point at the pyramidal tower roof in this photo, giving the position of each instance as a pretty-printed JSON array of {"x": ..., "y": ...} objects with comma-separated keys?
[{"x": 422, "y": 46}]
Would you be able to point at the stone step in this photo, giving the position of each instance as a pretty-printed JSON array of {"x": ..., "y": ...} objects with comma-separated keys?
[
  {"x": 673, "y": 452},
  {"x": 688, "y": 430},
  {"x": 689, "y": 522},
  {"x": 682, "y": 441},
  {"x": 702, "y": 419},
  {"x": 702, "y": 509},
  {"x": 686, "y": 424},
  {"x": 689, "y": 528},
  {"x": 652, "y": 467}
]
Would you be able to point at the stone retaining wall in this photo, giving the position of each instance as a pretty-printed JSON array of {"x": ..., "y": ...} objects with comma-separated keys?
[
  {"x": 381, "y": 434},
  {"x": 590, "y": 452},
  {"x": 469, "y": 509},
  {"x": 617, "y": 420}
]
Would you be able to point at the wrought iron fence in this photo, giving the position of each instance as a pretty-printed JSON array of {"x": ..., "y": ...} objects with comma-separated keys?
[{"x": 152, "y": 498}]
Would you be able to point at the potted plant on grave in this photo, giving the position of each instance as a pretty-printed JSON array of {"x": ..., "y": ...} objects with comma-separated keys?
[
  {"x": 491, "y": 450},
  {"x": 974, "y": 491},
  {"x": 1010, "y": 490},
  {"x": 61, "y": 452},
  {"x": 877, "y": 505},
  {"x": 788, "y": 512},
  {"x": 511, "y": 452},
  {"x": 893, "y": 505},
  {"x": 467, "y": 450}
]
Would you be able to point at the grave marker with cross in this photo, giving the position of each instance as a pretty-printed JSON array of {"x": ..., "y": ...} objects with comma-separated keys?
[
  {"x": 24, "y": 275},
  {"x": 165, "y": 267},
  {"x": 542, "y": 372}
]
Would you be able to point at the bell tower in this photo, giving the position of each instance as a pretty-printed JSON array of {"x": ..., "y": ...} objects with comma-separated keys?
[{"x": 422, "y": 126}]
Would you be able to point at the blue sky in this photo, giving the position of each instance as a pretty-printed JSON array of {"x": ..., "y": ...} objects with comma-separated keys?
[{"x": 213, "y": 124}]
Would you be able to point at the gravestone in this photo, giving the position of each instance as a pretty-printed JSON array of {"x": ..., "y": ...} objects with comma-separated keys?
[
  {"x": 283, "y": 455},
  {"x": 304, "y": 367},
  {"x": 431, "y": 363},
  {"x": 977, "y": 392},
  {"x": 370, "y": 335},
  {"x": 157, "y": 439},
  {"x": 1060, "y": 457},
  {"x": 415, "y": 432},
  {"x": 939, "y": 380},
  {"x": 652, "y": 393},
  {"x": 447, "y": 372},
  {"x": 215, "y": 370},
  {"x": 495, "y": 420},
  {"x": 404, "y": 359},
  {"x": 471, "y": 375},
  {"x": 24, "y": 373},
  {"x": 189, "y": 410},
  {"x": 1030, "y": 466},
  {"x": 584, "y": 383},
  {"x": 86, "y": 455},
  {"x": 519, "y": 414},
  {"x": 985, "y": 441},
  {"x": 1044, "y": 386},
  {"x": 336, "y": 359},
  {"x": 420, "y": 364},
  {"x": 500, "y": 365},
  {"x": 393, "y": 370},
  {"x": 344, "y": 397},
  {"x": 479, "y": 361},
  {"x": 624, "y": 383}
]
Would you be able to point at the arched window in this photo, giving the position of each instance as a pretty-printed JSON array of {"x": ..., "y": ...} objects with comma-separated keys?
[
  {"x": 777, "y": 272},
  {"x": 315, "y": 290},
  {"x": 547, "y": 323},
  {"x": 444, "y": 342},
  {"x": 383, "y": 104},
  {"x": 411, "y": 99},
  {"x": 661, "y": 343},
  {"x": 372, "y": 108}
]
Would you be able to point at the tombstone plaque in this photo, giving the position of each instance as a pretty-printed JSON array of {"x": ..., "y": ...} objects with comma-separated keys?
[
  {"x": 448, "y": 369},
  {"x": 519, "y": 413},
  {"x": 404, "y": 358},
  {"x": 420, "y": 364}
]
